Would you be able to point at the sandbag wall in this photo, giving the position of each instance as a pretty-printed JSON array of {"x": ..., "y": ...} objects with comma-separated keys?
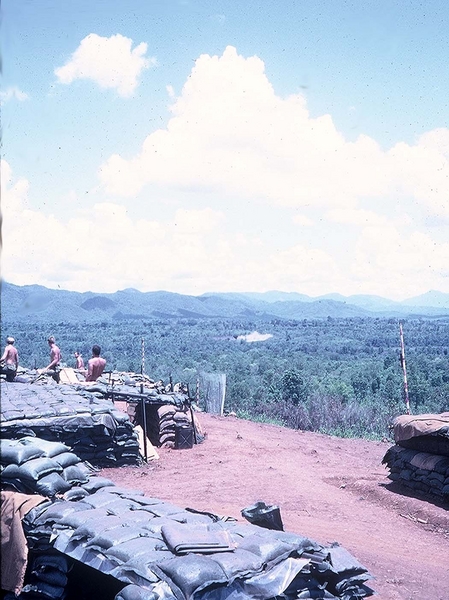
[
  {"x": 172, "y": 420},
  {"x": 167, "y": 407},
  {"x": 130, "y": 537},
  {"x": 91, "y": 426},
  {"x": 31, "y": 465},
  {"x": 153, "y": 550},
  {"x": 166, "y": 415},
  {"x": 421, "y": 471},
  {"x": 47, "y": 578},
  {"x": 420, "y": 458}
]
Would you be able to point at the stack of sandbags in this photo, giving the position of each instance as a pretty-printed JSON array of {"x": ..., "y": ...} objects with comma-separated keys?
[
  {"x": 34, "y": 466},
  {"x": 421, "y": 471},
  {"x": 170, "y": 417},
  {"x": 39, "y": 534},
  {"x": 91, "y": 426},
  {"x": 420, "y": 458},
  {"x": 48, "y": 578},
  {"x": 162, "y": 551}
]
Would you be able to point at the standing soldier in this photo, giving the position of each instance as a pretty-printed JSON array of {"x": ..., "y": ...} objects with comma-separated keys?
[
  {"x": 79, "y": 361},
  {"x": 95, "y": 365},
  {"x": 9, "y": 360},
  {"x": 55, "y": 358}
]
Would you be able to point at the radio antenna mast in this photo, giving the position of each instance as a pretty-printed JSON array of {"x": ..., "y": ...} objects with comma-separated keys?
[{"x": 404, "y": 370}]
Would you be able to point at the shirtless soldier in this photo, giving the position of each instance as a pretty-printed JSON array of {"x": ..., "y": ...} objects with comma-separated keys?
[
  {"x": 55, "y": 358},
  {"x": 9, "y": 360},
  {"x": 95, "y": 364}
]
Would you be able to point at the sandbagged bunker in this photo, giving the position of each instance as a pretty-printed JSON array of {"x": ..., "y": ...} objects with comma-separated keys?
[
  {"x": 91, "y": 538},
  {"x": 419, "y": 460}
]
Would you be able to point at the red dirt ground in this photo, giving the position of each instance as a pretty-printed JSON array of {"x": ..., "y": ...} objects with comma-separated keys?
[{"x": 327, "y": 488}]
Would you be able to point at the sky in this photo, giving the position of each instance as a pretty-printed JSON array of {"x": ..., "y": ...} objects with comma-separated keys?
[{"x": 201, "y": 146}]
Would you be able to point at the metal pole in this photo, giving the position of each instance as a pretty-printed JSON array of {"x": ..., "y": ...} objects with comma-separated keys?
[
  {"x": 404, "y": 370},
  {"x": 144, "y": 426},
  {"x": 192, "y": 418},
  {"x": 142, "y": 366}
]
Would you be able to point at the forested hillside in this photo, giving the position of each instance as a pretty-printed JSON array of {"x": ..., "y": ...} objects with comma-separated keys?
[
  {"x": 37, "y": 304},
  {"x": 340, "y": 376}
]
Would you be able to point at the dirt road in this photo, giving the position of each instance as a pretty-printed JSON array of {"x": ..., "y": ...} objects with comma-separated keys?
[{"x": 327, "y": 488}]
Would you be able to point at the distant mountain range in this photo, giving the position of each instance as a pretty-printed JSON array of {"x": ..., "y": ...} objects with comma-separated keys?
[{"x": 35, "y": 303}]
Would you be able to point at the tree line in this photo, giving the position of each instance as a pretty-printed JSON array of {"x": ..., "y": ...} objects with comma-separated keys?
[{"x": 336, "y": 375}]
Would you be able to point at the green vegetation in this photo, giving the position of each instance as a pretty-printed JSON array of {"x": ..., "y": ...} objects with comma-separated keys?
[{"x": 337, "y": 376}]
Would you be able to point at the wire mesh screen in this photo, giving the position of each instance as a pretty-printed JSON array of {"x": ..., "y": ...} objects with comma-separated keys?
[{"x": 212, "y": 390}]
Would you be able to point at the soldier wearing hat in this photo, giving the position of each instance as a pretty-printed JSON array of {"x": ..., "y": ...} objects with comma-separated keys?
[{"x": 10, "y": 360}]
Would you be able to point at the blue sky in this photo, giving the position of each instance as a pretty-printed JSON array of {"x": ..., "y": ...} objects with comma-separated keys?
[{"x": 226, "y": 146}]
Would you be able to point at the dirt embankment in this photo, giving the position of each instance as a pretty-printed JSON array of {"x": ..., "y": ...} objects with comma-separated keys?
[{"x": 327, "y": 488}]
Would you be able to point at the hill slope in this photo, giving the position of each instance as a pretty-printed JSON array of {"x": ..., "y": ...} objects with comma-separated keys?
[{"x": 33, "y": 303}]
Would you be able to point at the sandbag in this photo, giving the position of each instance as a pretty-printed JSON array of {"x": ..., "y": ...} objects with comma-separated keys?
[
  {"x": 190, "y": 573},
  {"x": 57, "y": 511},
  {"x": 43, "y": 590},
  {"x": 113, "y": 537},
  {"x": 52, "y": 484},
  {"x": 135, "y": 592},
  {"x": 51, "y": 576},
  {"x": 270, "y": 549},
  {"x": 95, "y": 483},
  {"x": 75, "y": 493},
  {"x": 18, "y": 451},
  {"x": 91, "y": 529},
  {"x": 50, "y": 449},
  {"x": 136, "y": 547},
  {"x": 73, "y": 474},
  {"x": 140, "y": 570},
  {"x": 81, "y": 517},
  {"x": 239, "y": 563},
  {"x": 66, "y": 459},
  {"x": 32, "y": 470},
  {"x": 51, "y": 561},
  {"x": 98, "y": 500},
  {"x": 164, "y": 509}
]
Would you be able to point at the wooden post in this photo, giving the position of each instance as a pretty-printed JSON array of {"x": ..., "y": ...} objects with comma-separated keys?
[
  {"x": 142, "y": 366},
  {"x": 144, "y": 427},
  {"x": 404, "y": 370}
]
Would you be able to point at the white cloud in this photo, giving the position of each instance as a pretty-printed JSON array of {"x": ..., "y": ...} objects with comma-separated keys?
[
  {"x": 193, "y": 222},
  {"x": 358, "y": 217},
  {"x": 302, "y": 267},
  {"x": 233, "y": 143},
  {"x": 231, "y": 132},
  {"x": 400, "y": 264},
  {"x": 13, "y": 193},
  {"x": 422, "y": 171},
  {"x": 302, "y": 220},
  {"x": 104, "y": 249},
  {"x": 12, "y": 93},
  {"x": 109, "y": 62}
]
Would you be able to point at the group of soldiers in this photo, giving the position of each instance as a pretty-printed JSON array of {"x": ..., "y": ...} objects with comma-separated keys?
[{"x": 9, "y": 362}]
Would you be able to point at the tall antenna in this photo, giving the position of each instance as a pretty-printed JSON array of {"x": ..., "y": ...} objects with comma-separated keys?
[{"x": 404, "y": 370}]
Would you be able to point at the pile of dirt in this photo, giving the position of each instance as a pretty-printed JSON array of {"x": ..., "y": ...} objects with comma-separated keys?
[{"x": 327, "y": 488}]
